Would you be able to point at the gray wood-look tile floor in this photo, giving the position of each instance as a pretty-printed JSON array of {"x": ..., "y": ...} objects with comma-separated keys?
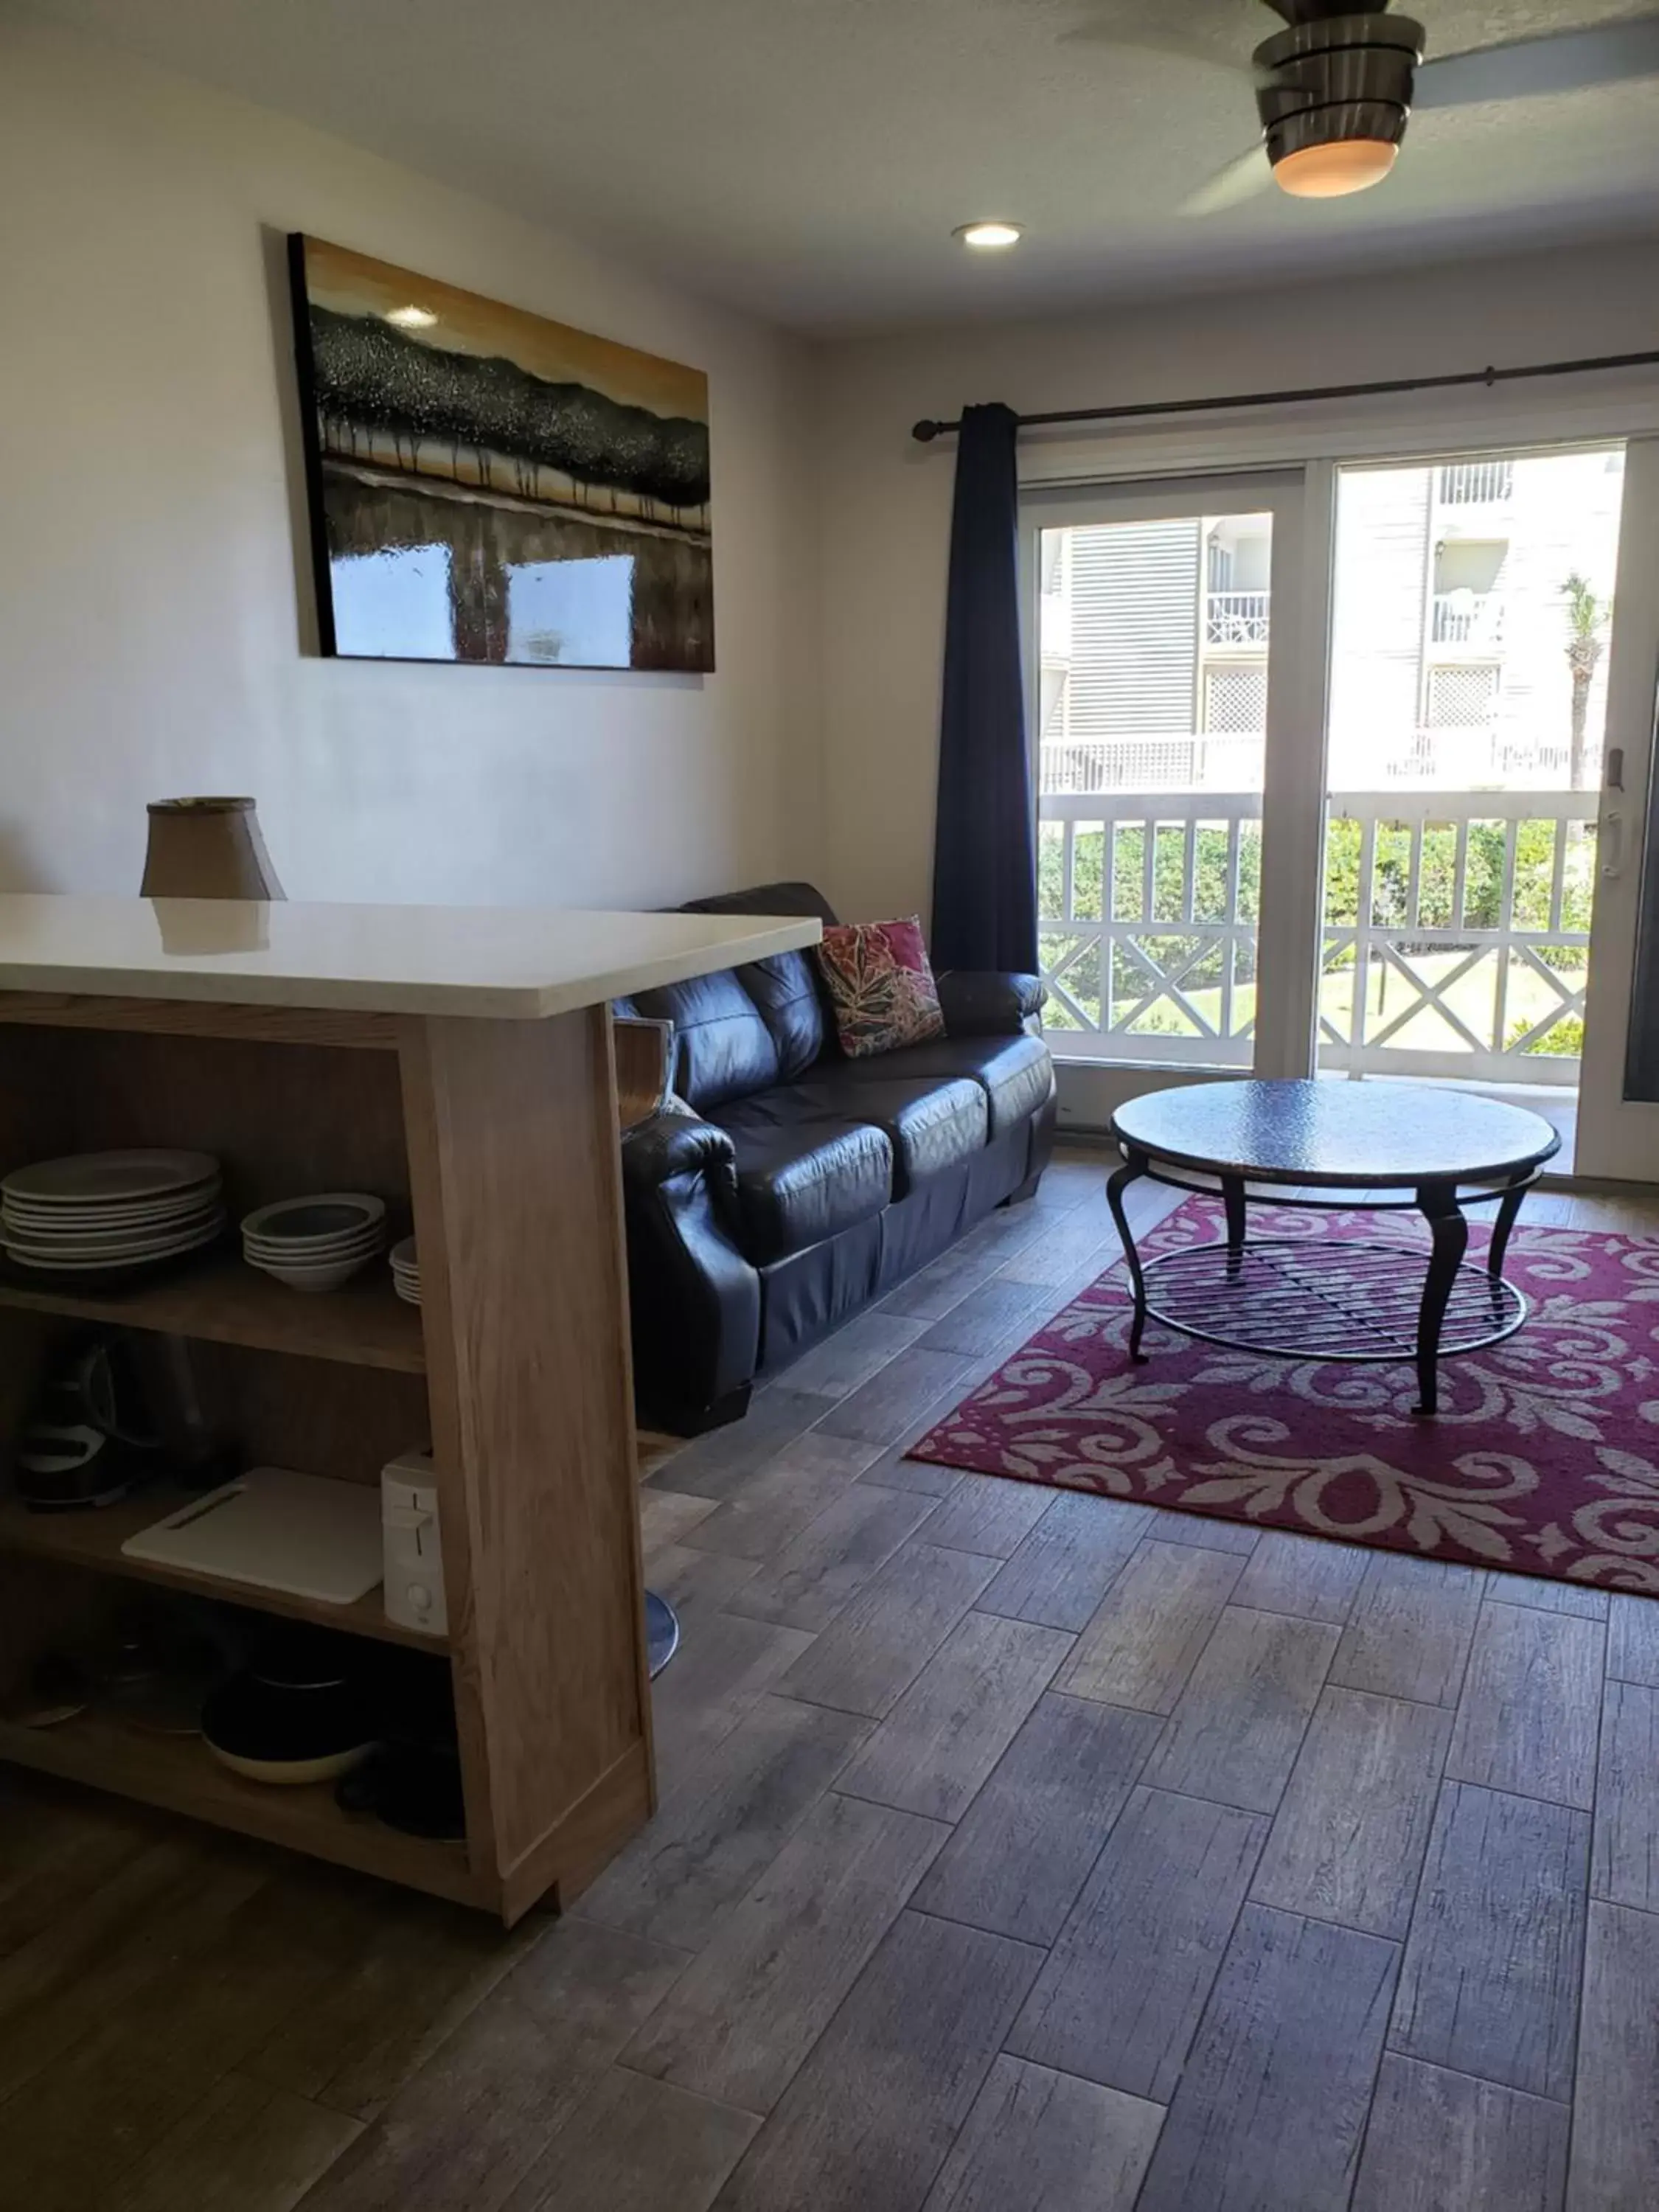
[{"x": 1016, "y": 1850}]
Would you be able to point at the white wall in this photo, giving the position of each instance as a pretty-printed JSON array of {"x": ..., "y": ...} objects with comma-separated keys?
[
  {"x": 886, "y": 501},
  {"x": 152, "y": 611}
]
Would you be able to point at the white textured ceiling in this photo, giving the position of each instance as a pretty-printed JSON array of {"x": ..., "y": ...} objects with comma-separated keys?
[{"x": 807, "y": 159}]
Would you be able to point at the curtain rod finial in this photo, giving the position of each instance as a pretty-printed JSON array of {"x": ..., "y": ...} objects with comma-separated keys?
[{"x": 924, "y": 432}]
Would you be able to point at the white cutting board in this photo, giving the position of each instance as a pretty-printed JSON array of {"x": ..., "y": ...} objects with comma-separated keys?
[{"x": 278, "y": 1530}]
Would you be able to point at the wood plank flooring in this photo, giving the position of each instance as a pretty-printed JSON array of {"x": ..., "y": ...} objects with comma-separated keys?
[{"x": 1018, "y": 1852}]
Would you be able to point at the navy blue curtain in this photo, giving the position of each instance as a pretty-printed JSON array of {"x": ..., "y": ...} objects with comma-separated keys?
[{"x": 984, "y": 862}]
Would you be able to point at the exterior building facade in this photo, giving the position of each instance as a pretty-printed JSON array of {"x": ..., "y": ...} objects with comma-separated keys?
[{"x": 1453, "y": 623}]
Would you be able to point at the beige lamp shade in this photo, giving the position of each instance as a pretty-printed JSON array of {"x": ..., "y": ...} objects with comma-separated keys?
[{"x": 207, "y": 848}]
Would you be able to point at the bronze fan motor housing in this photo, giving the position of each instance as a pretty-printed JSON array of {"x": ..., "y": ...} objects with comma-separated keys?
[{"x": 1331, "y": 76}]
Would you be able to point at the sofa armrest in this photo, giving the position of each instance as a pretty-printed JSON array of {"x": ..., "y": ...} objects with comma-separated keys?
[
  {"x": 672, "y": 1142},
  {"x": 695, "y": 1299},
  {"x": 986, "y": 1002}
]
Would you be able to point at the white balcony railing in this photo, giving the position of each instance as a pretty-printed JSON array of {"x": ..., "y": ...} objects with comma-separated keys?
[
  {"x": 1484, "y": 755},
  {"x": 1148, "y": 933},
  {"x": 1475, "y": 483},
  {"x": 1456, "y": 928},
  {"x": 1432, "y": 758},
  {"x": 1220, "y": 762},
  {"x": 1237, "y": 618},
  {"x": 1466, "y": 618}
]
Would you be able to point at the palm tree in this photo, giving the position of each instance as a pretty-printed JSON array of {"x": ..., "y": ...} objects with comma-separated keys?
[{"x": 1586, "y": 617}]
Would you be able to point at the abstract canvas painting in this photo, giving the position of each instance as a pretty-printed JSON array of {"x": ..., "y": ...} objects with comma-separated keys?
[{"x": 490, "y": 485}]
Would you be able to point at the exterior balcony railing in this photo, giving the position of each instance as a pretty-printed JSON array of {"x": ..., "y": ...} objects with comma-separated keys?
[
  {"x": 1466, "y": 618},
  {"x": 1236, "y": 618},
  {"x": 1455, "y": 929},
  {"x": 1475, "y": 483},
  {"x": 1206, "y": 762}
]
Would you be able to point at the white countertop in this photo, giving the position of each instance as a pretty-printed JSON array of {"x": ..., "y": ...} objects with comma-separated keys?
[{"x": 519, "y": 963}]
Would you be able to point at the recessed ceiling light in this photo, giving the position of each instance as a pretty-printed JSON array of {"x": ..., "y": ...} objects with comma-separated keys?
[
  {"x": 988, "y": 237},
  {"x": 411, "y": 317}
]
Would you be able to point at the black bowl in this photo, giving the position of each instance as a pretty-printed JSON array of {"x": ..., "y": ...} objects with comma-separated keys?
[{"x": 300, "y": 1712}]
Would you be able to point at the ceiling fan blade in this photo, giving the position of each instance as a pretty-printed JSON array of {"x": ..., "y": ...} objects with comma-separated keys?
[
  {"x": 1564, "y": 61},
  {"x": 1242, "y": 179},
  {"x": 1224, "y": 34},
  {"x": 1175, "y": 45}
]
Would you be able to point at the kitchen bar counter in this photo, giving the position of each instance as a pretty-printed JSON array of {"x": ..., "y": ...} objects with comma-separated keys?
[
  {"x": 459, "y": 1063},
  {"x": 516, "y": 964}
]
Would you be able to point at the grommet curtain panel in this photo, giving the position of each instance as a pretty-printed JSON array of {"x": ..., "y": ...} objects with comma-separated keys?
[{"x": 984, "y": 855}]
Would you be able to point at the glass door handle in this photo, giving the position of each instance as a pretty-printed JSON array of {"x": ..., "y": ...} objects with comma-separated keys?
[{"x": 1611, "y": 834}]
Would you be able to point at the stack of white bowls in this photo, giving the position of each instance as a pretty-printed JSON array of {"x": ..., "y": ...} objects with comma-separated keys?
[
  {"x": 315, "y": 1244},
  {"x": 406, "y": 1272},
  {"x": 106, "y": 1214}
]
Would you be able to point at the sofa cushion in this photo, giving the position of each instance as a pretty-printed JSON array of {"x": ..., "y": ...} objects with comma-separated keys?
[
  {"x": 802, "y": 1174},
  {"x": 726, "y": 1051},
  {"x": 1015, "y": 1072},
  {"x": 793, "y": 897},
  {"x": 930, "y": 1124},
  {"x": 786, "y": 988}
]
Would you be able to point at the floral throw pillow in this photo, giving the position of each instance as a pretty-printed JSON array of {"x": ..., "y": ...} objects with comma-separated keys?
[{"x": 881, "y": 986}]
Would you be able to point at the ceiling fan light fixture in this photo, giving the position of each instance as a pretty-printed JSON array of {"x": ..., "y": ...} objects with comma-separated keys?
[
  {"x": 1333, "y": 170},
  {"x": 1334, "y": 95}
]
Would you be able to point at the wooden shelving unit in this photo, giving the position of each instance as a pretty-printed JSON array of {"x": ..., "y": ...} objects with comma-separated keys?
[
  {"x": 222, "y": 1300},
  {"x": 497, "y": 1139},
  {"x": 92, "y": 1542},
  {"x": 180, "y": 1775}
]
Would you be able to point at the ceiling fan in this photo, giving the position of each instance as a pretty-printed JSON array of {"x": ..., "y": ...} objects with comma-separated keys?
[{"x": 1335, "y": 89}]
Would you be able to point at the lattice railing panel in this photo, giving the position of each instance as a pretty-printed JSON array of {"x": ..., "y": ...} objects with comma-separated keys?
[{"x": 1456, "y": 941}]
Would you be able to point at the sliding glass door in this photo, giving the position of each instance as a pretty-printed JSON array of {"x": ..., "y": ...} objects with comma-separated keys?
[
  {"x": 1491, "y": 701},
  {"x": 1166, "y": 734},
  {"x": 1617, "y": 1124},
  {"x": 1344, "y": 770}
]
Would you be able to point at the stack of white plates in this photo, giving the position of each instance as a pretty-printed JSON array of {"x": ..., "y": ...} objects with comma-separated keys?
[
  {"x": 315, "y": 1244},
  {"x": 104, "y": 1213},
  {"x": 406, "y": 1272}
]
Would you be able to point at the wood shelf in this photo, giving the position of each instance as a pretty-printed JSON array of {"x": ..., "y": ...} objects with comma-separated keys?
[
  {"x": 223, "y": 1301},
  {"x": 495, "y": 1139},
  {"x": 179, "y": 1774},
  {"x": 92, "y": 1539}
]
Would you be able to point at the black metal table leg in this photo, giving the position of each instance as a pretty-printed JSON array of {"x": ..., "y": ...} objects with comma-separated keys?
[
  {"x": 1232, "y": 1197},
  {"x": 1437, "y": 1202},
  {"x": 1503, "y": 1221},
  {"x": 1134, "y": 1166}
]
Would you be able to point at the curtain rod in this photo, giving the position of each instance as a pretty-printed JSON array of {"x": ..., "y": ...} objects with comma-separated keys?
[{"x": 924, "y": 432}]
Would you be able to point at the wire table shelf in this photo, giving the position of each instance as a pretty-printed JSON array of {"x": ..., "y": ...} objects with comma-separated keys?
[{"x": 1295, "y": 1298}]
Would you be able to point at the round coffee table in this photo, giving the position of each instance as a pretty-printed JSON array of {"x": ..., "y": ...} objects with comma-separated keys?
[{"x": 1385, "y": 1147}]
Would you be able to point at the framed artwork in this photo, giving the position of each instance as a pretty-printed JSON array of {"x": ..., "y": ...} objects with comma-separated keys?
[{"x": 489, "y": 486}]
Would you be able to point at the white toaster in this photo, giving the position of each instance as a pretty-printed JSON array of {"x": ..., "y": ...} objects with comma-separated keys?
[{"x": 413, "y": 1548}]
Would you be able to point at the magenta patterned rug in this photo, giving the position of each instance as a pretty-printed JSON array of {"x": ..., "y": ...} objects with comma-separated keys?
[{"x": 1544, "y": 1458}]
